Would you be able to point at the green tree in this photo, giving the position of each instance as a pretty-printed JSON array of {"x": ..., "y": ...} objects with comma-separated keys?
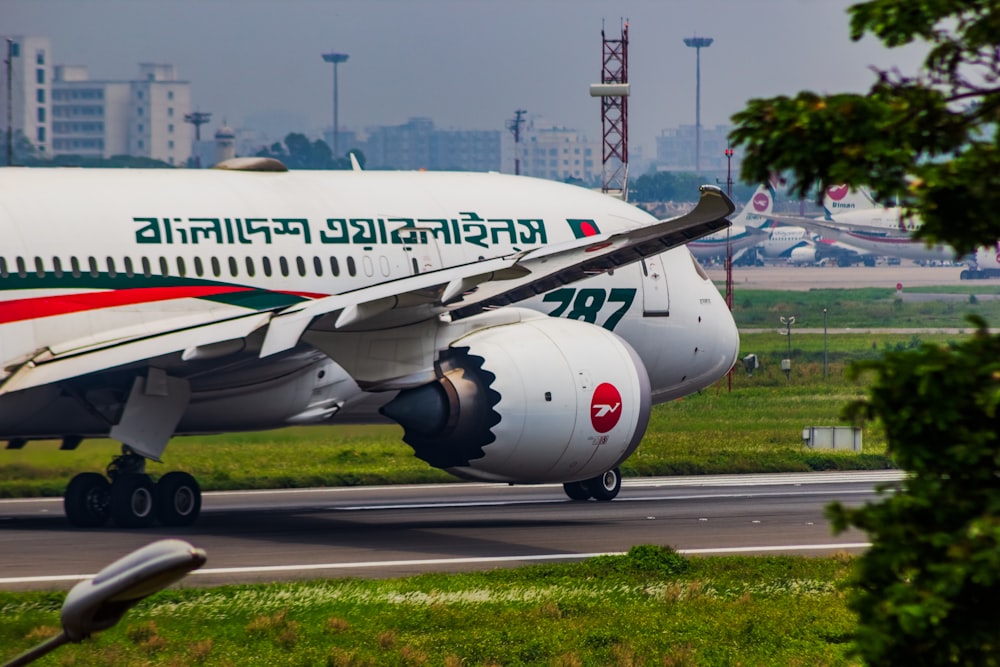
[
  {"x": 926, "y": 592},
  {"x": 297, "y": 152}
]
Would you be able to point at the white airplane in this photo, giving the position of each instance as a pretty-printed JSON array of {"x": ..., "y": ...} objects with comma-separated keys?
[
  {"x": 745, "y": 231},
  {"x": 518, "y": 329},
  {"x": 854, "y": 219}
]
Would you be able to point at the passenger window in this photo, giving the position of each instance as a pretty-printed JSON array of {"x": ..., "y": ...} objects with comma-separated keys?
[
  {"x": 164, "y": 267},
  {"x": 22, "y": 270},
  {"x": 283, "y": 263},
  {"x": 334, "y": 266},
  {"x": 3, "y": 267},
  {"x": 301, "y": 265},
  {"x": 181, "y": 269},
  {"x": 250, "y": 268},
  {"x": 216, "y": 269},
  {"x": 318, "y": 266},
  {"x": 352, "y": 269},
  {"x": 266, "y": 262},
  {"x": 128, "y": 267},
  {"x": 147, "y": 270},
  {"x": 111, "y": 268},
  {"x": 416, "y": 265},
  {"x": 199, "y": 268},
  {"x": 92, "y": 262},
  {"x": 74, "y": 266},
  {"x": 39, "y": 267},
  {"x": 233, "y": 267},
  {"x": 57, "y": 267}
]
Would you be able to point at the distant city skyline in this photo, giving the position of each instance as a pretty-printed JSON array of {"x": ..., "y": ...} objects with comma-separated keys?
[{"x": 466, "y": 65}]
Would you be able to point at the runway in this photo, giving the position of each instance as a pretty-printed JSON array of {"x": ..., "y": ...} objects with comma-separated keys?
[
  {"x": 393, "y": 531},
  {"x": 803, "y": 278}
]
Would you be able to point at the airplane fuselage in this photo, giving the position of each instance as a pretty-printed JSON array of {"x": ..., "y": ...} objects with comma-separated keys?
[{"x": 90, "y": 257}]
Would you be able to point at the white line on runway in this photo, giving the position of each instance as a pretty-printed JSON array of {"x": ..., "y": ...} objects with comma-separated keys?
[
  {"x": 770, "y": 479},
  {"x": 620, "y": 499},
  {"x": 265, "y": 569}
]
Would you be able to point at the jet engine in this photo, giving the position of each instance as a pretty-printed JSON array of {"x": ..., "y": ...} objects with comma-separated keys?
[
  {"x": 540, "y": 400},
  {"x": 803, "y": 255}
]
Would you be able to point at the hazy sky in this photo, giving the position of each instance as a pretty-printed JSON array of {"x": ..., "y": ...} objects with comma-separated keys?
[{"x": 467, "y": 64}]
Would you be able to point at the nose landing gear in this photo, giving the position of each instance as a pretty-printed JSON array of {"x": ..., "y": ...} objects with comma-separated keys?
[{"x": 131, "y": 499}]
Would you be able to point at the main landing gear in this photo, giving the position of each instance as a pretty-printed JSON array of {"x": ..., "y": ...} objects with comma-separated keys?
[
  {"x": 602, "y": 487},
  {"x": 131, "y": 499}
]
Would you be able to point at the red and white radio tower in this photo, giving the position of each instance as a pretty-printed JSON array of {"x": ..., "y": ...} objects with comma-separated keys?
[{"x": 613, "y": 91}]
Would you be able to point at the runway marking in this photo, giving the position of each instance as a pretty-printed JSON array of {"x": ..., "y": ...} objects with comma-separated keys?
[
  {"x": 770, "y": 479},
  {"x": 619, "y": 499},
  {"x": 266, "y": 569}
]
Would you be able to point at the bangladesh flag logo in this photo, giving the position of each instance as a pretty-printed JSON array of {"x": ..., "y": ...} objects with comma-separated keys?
[{"x": 582, "y": 228}]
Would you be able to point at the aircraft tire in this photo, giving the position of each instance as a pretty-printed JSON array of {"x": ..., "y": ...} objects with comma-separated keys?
[
  {"x": 132, "y": 501},
  {"x": 177, "y": 498},
  {"x": 577, "y": 490},
  {"x": 87, "y": 501},
  {"x": 605, "y": 487}
]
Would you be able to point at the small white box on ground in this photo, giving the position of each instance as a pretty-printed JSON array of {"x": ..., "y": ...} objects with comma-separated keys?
[{"x": 846, "y": 438}]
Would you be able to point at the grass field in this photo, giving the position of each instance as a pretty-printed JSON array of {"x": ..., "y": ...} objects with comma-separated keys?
[{"x": 651, "y": 607}]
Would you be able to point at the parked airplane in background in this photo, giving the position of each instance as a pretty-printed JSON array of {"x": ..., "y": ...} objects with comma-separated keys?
[
  {"x": 745, "y": 231},
  {"x": 518, "y": 329},
  {"x": 853, "y": 218}
]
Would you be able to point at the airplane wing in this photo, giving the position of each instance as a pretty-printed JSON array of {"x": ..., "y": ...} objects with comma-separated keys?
[
  {"x": 464, "y": 290},
  {"x": 820, "y": 225},
  {"x": 472, "y": 288}
]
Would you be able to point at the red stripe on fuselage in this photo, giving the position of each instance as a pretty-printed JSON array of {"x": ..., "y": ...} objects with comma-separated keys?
[{"x": 49, "y": 306}]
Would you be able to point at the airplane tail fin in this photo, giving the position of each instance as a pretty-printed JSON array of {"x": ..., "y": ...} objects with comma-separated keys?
[
  {"x": 841, "y": 198},
  {"x": 756, "y": 211}
]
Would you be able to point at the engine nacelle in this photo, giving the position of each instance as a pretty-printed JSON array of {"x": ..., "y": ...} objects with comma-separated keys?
[
  {"x": 541, "y": 400},
  {"x": 803, "y": 255}
]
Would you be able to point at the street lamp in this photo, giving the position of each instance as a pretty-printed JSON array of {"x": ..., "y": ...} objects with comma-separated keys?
[
  {"x": 336, "y": 59},
  {"x": 786, "y": 363},
  {"x": 99, "y": 603},
  {"x": 697, "y": 43}
]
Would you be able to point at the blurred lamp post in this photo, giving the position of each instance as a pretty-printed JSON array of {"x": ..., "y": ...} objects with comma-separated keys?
[
  {"x": 336, "y": 59},
  {"x": 786, "y": 363},
  {"x": 99, "y": 603}
]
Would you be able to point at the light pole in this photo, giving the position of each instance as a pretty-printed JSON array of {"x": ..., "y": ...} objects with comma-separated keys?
[
  {"x": 99, "y": 603},
  {"x": 336, "y": 59},
  {"x": 824, "y": 343},
  {"x": 697, "y": 43},
  {"x": 786, "y": 363}
]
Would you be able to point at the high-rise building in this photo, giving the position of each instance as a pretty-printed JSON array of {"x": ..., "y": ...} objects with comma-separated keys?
[
  {"x": 142, "y": 118},
  {"x": 676, "y": 150},
  {"x": 558, "y": 153},
  {"x": 31, "y": 89},
  {"x": 416, "y": 144},
  {"x": 62, "y": 111}
]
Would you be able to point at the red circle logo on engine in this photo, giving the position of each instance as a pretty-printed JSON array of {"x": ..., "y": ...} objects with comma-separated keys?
[{"x": 605, "y": 407}]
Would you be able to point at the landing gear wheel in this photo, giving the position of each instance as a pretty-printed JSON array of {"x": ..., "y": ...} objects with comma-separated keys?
[
  {"x": 132, "y": 501},
  {"x": 177, "y": 498},
  {"x": 606, "y": 486},
  {"x": 577, "y": 490},
  {"x": 87, "y": 501}
]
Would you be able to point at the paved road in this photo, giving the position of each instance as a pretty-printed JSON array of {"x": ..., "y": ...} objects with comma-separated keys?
[
  {"x": 783, "y": 277},
  {"x": 394, "y": 531}
]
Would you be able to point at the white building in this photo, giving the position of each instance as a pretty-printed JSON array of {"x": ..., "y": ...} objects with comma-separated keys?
[
  {"x": 675, "y": 150},
  {"x": 63, "y": 112},
  {"x": 555, "y": 153},
  {"x": 31, "y": 91}
]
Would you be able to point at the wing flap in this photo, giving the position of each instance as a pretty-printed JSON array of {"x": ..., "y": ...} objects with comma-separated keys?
[{"x": 47, "y": 367}]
